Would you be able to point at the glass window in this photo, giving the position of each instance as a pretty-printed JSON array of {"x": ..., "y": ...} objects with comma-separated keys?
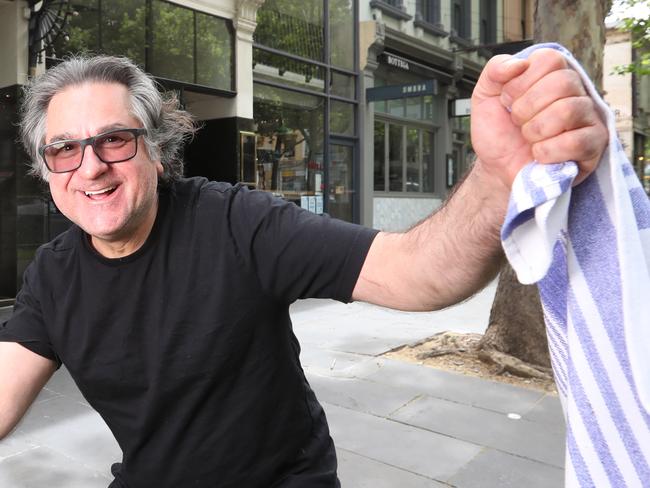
[
  {"x": 341, "y": 190},
  {"x": 414, "y": 108},
  {"x": 396, "y": 107},
  {"x": 342, "y": 85},
  {"x": 395, "y": 156},
  {"x": 82, "y": 29},
  {"x": 280, "y": 69},
  {"x": 183, "y": 44},
  {"x": 427, "y": 162},
  {"x": 413, "y": 160},
  {"x": 173, "y": 42},
  {"x": 214, "y": 52},
  {"x": 342, "y": 118},
  {"x": 380, "y": 156},
  {"x": 123, "y": 29},
  {"x": 294, "y": 27},
  {"x": 341, "y": 20},
  {"x": 290, "y": 138}
]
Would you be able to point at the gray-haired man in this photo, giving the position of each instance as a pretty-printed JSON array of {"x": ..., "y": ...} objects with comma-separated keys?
[{"x": 168, "y": 299}]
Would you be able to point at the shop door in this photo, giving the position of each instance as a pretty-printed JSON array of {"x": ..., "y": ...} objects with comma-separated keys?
[{"x": 341, "y": 182}]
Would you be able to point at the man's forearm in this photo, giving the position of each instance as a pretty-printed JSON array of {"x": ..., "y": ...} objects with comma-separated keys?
[{"x": 445, "y": 258}]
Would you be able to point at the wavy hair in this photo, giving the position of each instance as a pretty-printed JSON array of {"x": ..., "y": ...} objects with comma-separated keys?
[{"x": 168, "y": 126}]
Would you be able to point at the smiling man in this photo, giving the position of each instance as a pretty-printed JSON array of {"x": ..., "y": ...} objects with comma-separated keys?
[{"x": 168, "y": 299}]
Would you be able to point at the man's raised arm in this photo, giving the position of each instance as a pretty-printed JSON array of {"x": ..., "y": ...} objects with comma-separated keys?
[{"x": 522, "y": 110}]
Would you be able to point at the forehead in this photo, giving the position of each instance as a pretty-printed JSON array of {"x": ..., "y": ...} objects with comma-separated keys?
[{"x": 81, "y": 110}]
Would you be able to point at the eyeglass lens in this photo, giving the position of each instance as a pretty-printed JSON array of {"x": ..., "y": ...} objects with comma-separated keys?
[{"x": 112, "y": 147}]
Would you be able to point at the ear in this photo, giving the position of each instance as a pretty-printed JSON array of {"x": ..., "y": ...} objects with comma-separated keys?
[{"x": 159, "y": 168}]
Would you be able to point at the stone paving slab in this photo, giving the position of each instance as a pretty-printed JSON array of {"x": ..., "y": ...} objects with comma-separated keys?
[
  {"x": 44, "y": 468},
  {"x": 494, "y": 469},
  {"x": 360, "y": 395},
  {"x": 427, "y": 454},
  {"x": 519, "y": 437},
  {"x": 468, "y": 390},
  {"x": 356, "y": 471},
  {"x": 73, "y": 430}
]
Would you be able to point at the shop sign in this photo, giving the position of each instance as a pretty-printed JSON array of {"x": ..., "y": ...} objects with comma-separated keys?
[
  {"x": 461, "y": 107},
  {"x": 427, "y": 87},
  {"x": 397, "y": 62}
]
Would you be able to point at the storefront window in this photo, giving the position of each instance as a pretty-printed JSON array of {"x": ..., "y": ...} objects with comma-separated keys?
[
  {"x": 411, "y": 167},
  {"x": 293, "y": 27},
  {"x": 289, "y": 72},
  {"x": 341, "y": 20},
  {"x": 340, "y": 185},
  {"x": 380, "y": 156},
  {"x": 413, "y": 160},
  {"x": 342, "y": 85},
  {"x": 342, "y": 118},
  {"x": 395, "y": 158},
  {"x": 290, "y": 141}
]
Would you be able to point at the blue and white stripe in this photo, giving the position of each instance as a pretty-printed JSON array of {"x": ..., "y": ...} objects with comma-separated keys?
[{"x": 588, "y": 249}]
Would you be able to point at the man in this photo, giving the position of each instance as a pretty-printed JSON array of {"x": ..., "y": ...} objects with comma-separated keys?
[{"x": 168, "y": 299}]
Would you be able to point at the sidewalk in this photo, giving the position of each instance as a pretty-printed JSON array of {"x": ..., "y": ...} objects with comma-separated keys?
[{"x": 394, "y": 424}]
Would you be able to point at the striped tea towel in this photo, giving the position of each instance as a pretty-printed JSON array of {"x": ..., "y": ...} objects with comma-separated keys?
[{"x": 588, "y": 249}]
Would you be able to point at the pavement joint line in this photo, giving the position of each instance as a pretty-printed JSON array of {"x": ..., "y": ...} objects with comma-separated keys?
[
  {"x": 30, "y": 448},
  {"x": 395, "y": 466}
]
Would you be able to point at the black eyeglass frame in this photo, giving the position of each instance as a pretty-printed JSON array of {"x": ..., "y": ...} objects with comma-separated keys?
[{"x": 90, "y": 141}]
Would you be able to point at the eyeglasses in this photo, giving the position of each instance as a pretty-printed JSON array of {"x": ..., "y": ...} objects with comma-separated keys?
[{"x": 114, "y": 146}]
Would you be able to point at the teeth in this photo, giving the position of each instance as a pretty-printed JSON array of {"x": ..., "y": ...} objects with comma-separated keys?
[{"x": 99, "y": 192}]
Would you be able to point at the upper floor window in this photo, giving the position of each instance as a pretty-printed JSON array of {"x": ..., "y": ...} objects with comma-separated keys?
[
  {"x": 170, "y": 41},
  {"x": 461, "y": 16},
  {"x": 488, "y": 15},
  {"x": 429, "y": 10}
]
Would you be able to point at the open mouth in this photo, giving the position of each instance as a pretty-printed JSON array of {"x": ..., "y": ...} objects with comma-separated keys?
[{"x": 100, "y": 194}]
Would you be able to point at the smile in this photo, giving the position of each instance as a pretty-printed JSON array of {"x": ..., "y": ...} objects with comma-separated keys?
[{"x": 103, "y": 191}]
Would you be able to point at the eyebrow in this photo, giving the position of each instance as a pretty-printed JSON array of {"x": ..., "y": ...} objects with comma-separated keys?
[{"x": 67, "y": 136}]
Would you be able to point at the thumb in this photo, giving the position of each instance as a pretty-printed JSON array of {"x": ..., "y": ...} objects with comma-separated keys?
[{"x": 497, "y": 72}]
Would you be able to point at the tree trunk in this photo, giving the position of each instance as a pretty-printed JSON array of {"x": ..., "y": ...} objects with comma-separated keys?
[{"x": 516, "y": 325}]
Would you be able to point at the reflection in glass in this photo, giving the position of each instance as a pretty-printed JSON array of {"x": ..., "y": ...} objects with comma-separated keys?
[
  {"x": 396, "y": 107},
  {"x": 413, "y": 160},
  {"x": 294, "y": 27},
  {"x": 280, "y": 69},
  {"x": 414, "y": 108},
  {"x": 395, "y": 177},
  {"x": 82, "y": 29},
  {"x": 214, "y": 52},
  {"x": 173, "y": 42},
  {"x": 123, "y": 29},
  {"x": 184, "y": 45},
  {"x": 427, "y": 162},
  {"x": 342, "y": 85},
  {"x": 341, "y": 190},
  {"x": 380, "y": 156},
  {"x": 341, "y": 20},
  {"x": 290, "y": 142},
  {"x": 342, "y": 118}
]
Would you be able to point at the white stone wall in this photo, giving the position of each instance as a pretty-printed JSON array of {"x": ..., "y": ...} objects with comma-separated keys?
[{"x": 394, "y": 214}]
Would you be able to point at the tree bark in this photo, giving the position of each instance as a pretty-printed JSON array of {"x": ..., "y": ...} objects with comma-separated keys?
[{"x": 516, "y": 325}]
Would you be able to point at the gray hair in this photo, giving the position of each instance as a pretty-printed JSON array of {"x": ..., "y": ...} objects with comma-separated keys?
[{"x": 168, "y": 127}]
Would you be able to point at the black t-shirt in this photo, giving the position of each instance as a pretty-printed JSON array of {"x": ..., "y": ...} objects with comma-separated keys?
[{"x": 185, "y": 347}]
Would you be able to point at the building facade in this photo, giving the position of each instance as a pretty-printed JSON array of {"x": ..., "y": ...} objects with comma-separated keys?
[
  {"x": 629, "y": 97},
  {"x": 420, "y": 62}
]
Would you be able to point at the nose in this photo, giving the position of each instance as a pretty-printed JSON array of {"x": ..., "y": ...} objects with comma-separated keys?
[{"x": 91, "y": 166}]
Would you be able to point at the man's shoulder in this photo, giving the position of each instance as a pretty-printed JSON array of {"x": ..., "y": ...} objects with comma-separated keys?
[{"x": 198, "y": 185}]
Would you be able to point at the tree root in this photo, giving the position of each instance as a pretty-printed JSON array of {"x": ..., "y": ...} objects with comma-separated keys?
[
  {"x": 436, "y": 353},
  {"x": 512, "y": 365}
]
